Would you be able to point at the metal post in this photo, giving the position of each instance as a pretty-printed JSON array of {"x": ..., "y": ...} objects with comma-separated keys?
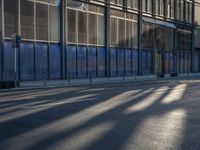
[
  {"x": 107, "y": 37},
  {"x": 15, "y": 67},
  {"x": 140, "y": 39},
  {"x": 193, "y": 37},
  {"x": 63, "y": 38}
]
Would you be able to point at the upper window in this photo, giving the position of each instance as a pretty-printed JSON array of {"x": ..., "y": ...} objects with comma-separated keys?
[
  {"x": 133, "y": 4},
  {"x": 85, "y": 26},
  {"x": 147, "y": 6},
  {"x": 197, "y": 14},
  {"x": 11, "y": 17},
  {"x": 159, "y": 4}
]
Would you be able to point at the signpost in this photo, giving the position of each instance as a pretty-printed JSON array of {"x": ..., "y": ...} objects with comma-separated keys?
[{"x": 16, "y": 40}]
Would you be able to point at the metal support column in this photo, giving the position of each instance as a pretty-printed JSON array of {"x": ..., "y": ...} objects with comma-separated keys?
[
  {"x": 175, "y": 42},
  {"x": 63, "y": 38},
  {"x": 140, "y": 72},
  {"x": 193, "y": 36},
  {"x": 107, "y": 37},
  {"x": 1, "y": 41}
]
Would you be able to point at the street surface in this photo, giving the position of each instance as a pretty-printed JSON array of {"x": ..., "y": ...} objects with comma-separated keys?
[{"x": 151, "y": 115}]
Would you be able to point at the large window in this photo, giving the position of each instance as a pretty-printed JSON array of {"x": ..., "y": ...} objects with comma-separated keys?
[
  {"x": 54, "y": 23},
  {"x": 33, "y": 20},
  {"x": 85, "y": 24},
  {"x": 147, "y": 6},
  {"x": 197, "y": 14},
  {"x": 27, "y": 19},
  {"x": 133, "y": 4},
  {"x": 197, "y": 37},
  {"x": 169, "y": 8},
  {"x": 159, "y": 7},
  {"x": 123, "y": 29},
  {"x": 11, "y": 17},
  {"x": 41, "y": 22},
  {"x": 184, "y": 40},
  {"x": 117, "y": 2}
]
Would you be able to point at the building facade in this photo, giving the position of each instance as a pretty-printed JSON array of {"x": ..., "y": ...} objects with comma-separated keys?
[{"x": 65, "y": 39}]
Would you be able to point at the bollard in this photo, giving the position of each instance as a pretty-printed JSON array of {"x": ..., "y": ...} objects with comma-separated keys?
[
  {"x": 45, "y": 80},
  {"x": 90, "y": 77},
  {"x": 69, "y": 78}
]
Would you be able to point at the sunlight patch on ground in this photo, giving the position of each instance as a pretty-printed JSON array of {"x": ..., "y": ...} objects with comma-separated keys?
[
  {"x": 175, "y": 95},
  {"x": 146, "y": 102},
  {"x": 160, "y": 132},
  {"x": 85, "y": 137}
]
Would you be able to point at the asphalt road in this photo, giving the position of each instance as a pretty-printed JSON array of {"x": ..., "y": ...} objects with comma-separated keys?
[{"x": 144, "y": 116}]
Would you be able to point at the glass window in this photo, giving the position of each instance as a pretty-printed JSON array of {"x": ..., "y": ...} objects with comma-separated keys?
[
  {"x": 81, "y": 62},
  {"x": 9, "y": 63},
  {"x": 101, "y": 61},
  {"x": 41, "y": 21},
  {"x": 92, "y": 18},
  {"x": 197, "y": 14},
  {"x": 128, "y": 61},
  {"x": 132, "y": 4},
  {"x": 113, "y": 30},
  {"x": 41, "y": 63},
  {"x": 82, "y": 27},
  {"x": 170, "y": 8},
  {"x": 113, "y": 62},
  {"x": 27, "y": 19},
  {"x": 197, "y": 38},
  {"x": 101, "y": 30},
  {"x": 148, "y": 37},
  {"x": 135, "y": 35},
  {"x": 54, "y": 22},
  {"x": 71, "y": 23},
  {"x": 121, "y": 33},
  {"x": 129, "y": 34},
  {"x": 92, "y": 62},
  {"x": 10, "y": 17},
  {"x": 120, "y": 62},
  {"x": 54, "y": 61},
  {"x": 26, "y": 61},
  {"x": 135, "y": 62},
  {"x": 71, "y": 61}
]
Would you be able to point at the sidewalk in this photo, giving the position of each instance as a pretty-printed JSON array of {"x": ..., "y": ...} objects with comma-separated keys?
[{"x": 87, "y": 81}]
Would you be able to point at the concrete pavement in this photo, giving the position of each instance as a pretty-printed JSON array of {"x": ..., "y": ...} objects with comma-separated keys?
[{"x": 155, "y": 115}]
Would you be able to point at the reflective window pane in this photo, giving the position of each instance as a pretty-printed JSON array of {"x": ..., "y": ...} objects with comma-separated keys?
[
  {"x": 27, "y": 19},
  {"x": 10, "y": 17},
  {"x": 41, "y": 21},
  {"x": 54, "y": 14}
]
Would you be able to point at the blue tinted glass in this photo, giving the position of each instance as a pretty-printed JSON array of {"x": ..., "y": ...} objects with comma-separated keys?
[
  {"x": 8, "y": 61},
  {"x": 120, "y": 62},
  {"x": 113, "y": 62},
  {"x": 71, "y": 61},
  {"x": 128, "y": 62},
  {"x": 26, "y": 61},
  {"x": 92, "y": 61},
  {"x": 54, "y": 61},
  {"x": 101, "y": 62},
  {"x": 135, "y": 61},
  {"x": 81, "y": 59},
  {"x": 41, "y": 61}
]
